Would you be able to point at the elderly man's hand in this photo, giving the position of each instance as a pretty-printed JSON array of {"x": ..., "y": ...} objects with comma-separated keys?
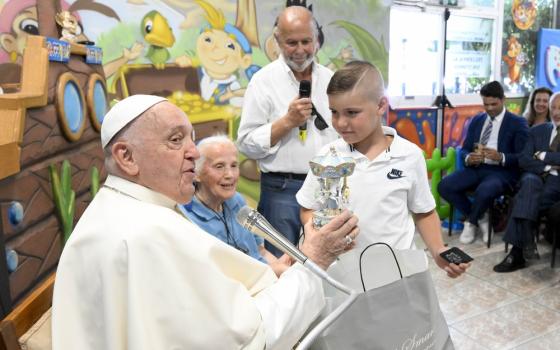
[
  {"x": 323, "y": 246},
  {"x": 299, "y": 111}
]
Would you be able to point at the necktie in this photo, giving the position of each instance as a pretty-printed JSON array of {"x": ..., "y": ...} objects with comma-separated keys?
[
  {"x": 556, "y": 141},
  {"x": 486, "y": 134}
]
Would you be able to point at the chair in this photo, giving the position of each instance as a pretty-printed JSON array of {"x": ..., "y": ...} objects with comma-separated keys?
[
  {"x": 503, "y": 200},
  {"x": 501, "y": 203},
  {"x": 25, "y": 316}
]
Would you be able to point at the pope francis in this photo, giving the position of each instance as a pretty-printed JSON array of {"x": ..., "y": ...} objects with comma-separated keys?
[{"x": 136, "y": 274}]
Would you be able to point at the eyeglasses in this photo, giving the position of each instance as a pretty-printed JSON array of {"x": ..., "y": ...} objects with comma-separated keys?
[{"x": 319, "y": 121}]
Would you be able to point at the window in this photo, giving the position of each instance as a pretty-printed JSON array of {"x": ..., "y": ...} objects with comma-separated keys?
[
  {"x": 469, "y": 55},
  {"x": 414, "y": 55},
  {"x": 416, "y": 52}
]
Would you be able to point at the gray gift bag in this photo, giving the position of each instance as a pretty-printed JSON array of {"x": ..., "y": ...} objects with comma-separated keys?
[{"x": 401, "y": 315}]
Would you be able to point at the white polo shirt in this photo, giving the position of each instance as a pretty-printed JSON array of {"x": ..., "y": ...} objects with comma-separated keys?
[{"x": 383, "y": 192}]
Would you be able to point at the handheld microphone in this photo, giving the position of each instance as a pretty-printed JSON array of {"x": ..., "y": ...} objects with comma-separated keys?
[
  {"x": 253, "y": 221},
  {"x": 304, "y": 92}
]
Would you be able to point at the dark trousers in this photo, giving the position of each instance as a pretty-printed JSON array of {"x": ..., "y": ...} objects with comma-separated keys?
[
  {"x": 279, "y": 206},
  {"x": 535, "y": 196},
  {"x": 483, "y": 184}
]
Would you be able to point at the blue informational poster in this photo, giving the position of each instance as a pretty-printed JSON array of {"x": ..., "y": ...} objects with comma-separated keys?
[
  {"x": 59, "y": 51},
  {"x": 548, "y": 59},
  {"x": 94, "y": 55}
]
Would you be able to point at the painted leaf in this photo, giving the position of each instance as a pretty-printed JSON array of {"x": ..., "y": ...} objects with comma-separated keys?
[{"x": 368, "y": 46}]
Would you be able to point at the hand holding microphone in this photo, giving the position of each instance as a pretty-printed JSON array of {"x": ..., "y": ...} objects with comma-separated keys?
[
  {"x": 302, "y": 108},
  {"x": 305, "y": 92},
  {"x": 321, "y": 246}
]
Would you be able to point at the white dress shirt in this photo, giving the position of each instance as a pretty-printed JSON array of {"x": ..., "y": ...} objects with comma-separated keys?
[
  {"x": 137, "y": 275},
  {"x": 266, "y": 100},
  {"x": 493, "y": 140},
  {"x": 542, "y": 155}
]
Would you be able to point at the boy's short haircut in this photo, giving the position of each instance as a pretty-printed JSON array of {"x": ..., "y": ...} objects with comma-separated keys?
[
  {"x": 355, "y": 74},
  {"x": 493, "y": 89}
]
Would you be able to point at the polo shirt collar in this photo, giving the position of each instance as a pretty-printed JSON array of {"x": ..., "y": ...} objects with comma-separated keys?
[{"x": 396, "y": 148}]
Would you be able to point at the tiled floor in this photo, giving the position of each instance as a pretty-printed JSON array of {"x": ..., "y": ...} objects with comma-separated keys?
[{"x": 486, "y": 310}]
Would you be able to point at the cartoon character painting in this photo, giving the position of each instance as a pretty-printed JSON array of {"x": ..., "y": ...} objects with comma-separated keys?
[
  {"x": 159, "y": 35},
  {"x": 223, "y": 50},
  {"x": 18, "y": 20},
  {"x": 515, "y": 59},
  {"x": 524, "y": 13},
  {"x": 69, "y": 24}
]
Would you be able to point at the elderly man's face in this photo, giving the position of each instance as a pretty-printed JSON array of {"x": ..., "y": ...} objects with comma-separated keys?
[
  {"x": 555, "y": 110},
  {"x": 166, "y": 153},
  {"x": 298, "y": 44},
  {"x": 220, "y": 172}
]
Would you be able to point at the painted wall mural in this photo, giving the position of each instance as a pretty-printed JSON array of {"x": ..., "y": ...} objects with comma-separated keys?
[
  {"x": 225, "y": 40},
  {"x": 416, "y": 125},
  {"x": 522, "y": 21}
]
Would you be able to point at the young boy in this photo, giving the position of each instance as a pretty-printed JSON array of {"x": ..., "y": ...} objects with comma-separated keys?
[{"x": 389, "y": 190}]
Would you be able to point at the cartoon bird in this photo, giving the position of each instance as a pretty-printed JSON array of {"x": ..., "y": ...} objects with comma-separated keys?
[{"x": 159, "y": 35}]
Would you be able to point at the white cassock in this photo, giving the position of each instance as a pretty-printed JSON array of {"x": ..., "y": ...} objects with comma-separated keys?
[{"x": 135, "y": 274}]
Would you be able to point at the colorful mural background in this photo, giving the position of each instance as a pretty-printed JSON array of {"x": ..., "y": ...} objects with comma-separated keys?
[
  {"x": 416, "y": 125},
  {"x": 119, "y": 28},
  {"x": 522, "y": 21}
]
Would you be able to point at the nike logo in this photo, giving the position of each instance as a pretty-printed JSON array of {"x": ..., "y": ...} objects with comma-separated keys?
[{"x": 395, "y": 174}]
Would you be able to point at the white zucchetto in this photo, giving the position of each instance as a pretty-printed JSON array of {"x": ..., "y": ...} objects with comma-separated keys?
[{"x": 123, "y": 113}]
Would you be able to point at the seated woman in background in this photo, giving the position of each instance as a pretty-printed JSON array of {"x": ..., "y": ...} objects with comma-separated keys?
[
  {"x": 216, "y": 201},
  {"x": 536, "y": 111}
]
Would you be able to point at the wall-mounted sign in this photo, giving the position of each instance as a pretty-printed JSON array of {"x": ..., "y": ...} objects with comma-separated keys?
[
  {"x": 94, "y": 55},
  {"x": 59, "y": 51},
  {"x": 547, "y": 69}
]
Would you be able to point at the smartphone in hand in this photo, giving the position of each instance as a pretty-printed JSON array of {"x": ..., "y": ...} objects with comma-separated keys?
[{"x": 456, "y": 256}]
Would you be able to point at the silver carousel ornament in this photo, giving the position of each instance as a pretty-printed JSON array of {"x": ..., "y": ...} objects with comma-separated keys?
[{"x": 332, "y": 196}]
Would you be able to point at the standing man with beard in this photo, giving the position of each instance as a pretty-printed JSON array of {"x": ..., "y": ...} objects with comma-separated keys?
[{"x": 279, "y": 128}]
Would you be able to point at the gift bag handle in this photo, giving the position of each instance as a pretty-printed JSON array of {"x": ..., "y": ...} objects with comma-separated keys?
[{"x": 371, "y": 245}]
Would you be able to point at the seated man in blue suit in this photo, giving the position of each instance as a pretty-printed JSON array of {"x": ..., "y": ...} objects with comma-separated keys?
[
  {"x": 540, "y": 189},
  {"x": 491, "y": 168}
]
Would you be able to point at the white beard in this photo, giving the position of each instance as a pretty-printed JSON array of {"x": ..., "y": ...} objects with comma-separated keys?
[{"x": 299, "y": 67}]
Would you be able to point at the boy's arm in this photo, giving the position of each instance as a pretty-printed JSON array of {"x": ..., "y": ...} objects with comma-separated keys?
[
  {"x": 429, "y": 226},
  {"x": 305, "y": 215}
]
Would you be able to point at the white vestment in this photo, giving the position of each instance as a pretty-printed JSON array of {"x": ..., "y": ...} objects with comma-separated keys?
[{"x": 136, "y": 274}]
